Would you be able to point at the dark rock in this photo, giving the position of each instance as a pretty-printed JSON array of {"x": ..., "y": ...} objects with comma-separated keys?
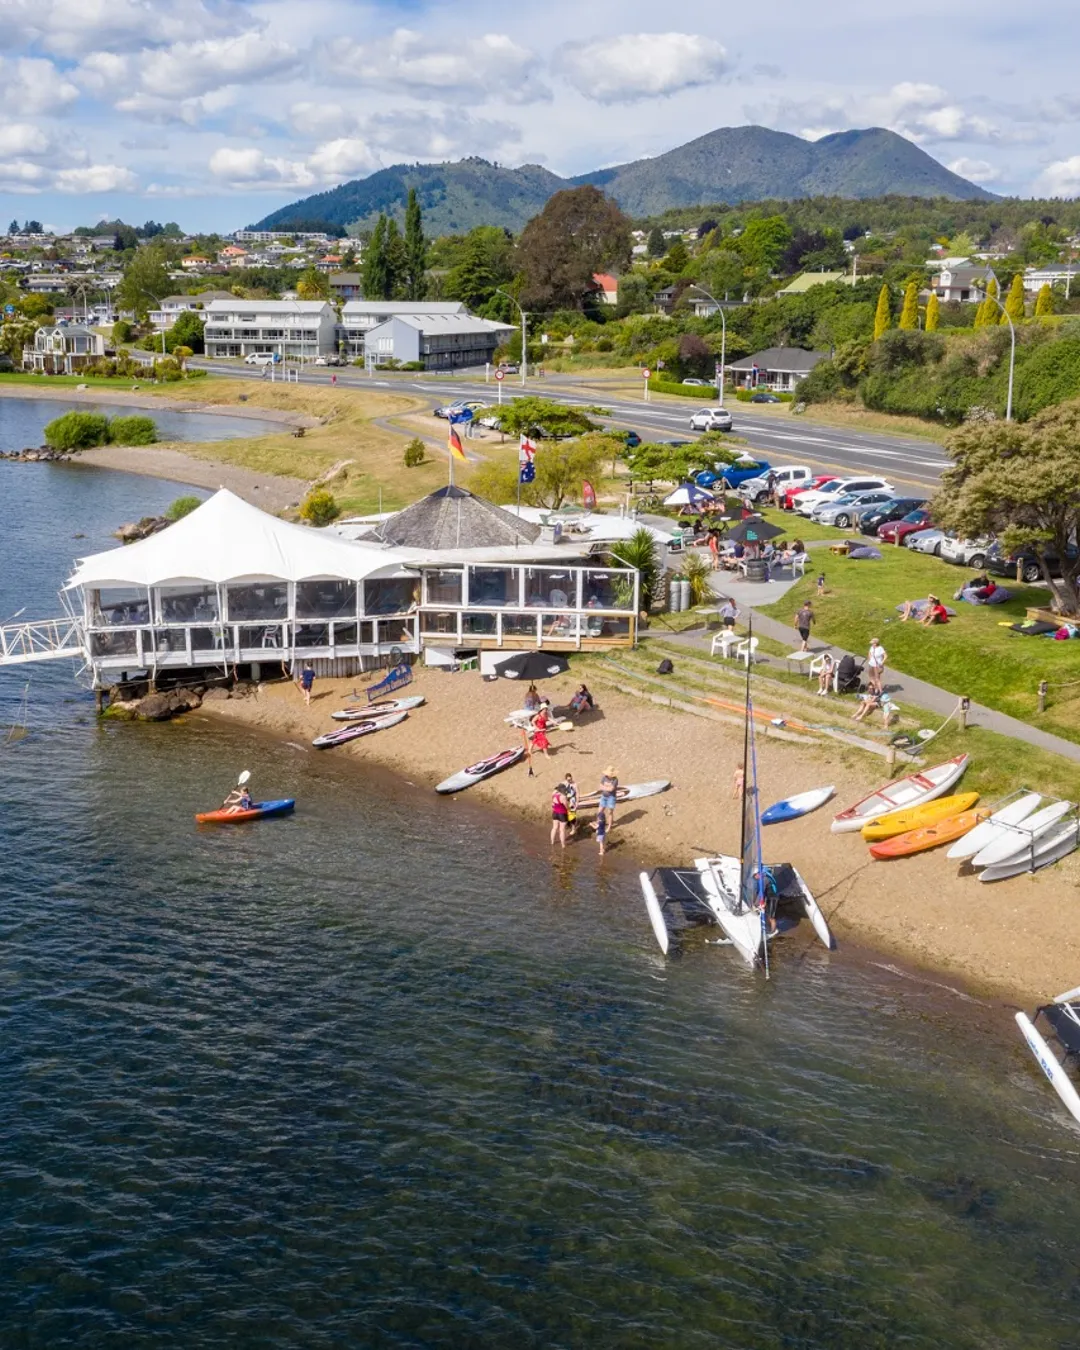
[
  {"x": 216, "y": 695},
  {"x": 133, "y": 531}
]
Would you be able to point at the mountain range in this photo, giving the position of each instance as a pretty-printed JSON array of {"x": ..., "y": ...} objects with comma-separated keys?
[{"x": 731, "y": 164}]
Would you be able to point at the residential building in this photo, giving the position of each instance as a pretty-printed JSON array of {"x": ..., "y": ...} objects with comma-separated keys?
[
  {"x": 171, "y": 307},
  {"x": 961, "y": 285},
  {"x": 801, "y": 284},
  {"x": 359, "y": 316},
  {"x": 607, "y": 287},
  {"x": 1051, "y": 274},
  {"x": 435, "y": 341},
  {"x": 272, "y": 236},
  {"x": 233, "y": 252},
  {"x": 776, "y": 368},
  {"x": 46, "y": 283},
  {"x": 297, "y": 328},
  {"x": 194, "y": 262},
  {"x": 346, "y": 285},
  {"x": 63, "y": 350}
]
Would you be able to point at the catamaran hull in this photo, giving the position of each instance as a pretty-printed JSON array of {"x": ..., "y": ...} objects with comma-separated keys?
[
  {"x": 655, "y": 913},
  {"x": 745, "y": 930},
  {"x": 1059, "y": 1079},
  {"x": 814, "y": 914}
]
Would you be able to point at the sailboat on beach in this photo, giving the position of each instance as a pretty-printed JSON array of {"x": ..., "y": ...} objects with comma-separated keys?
[{"x": 749, "y": 901}]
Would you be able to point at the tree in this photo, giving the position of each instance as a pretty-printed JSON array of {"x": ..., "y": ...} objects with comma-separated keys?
[
  {"x": 987, "y": 314},
  {"x": 933, "y": 313},
  {"x": 1044, "y": 301},
  {"x": 35, "y": 306},
  {"x": 883, "y": 313},
  {"x": 561, "y": 468},
  {"x": 657, "y": 244},
  {"x": 415, "y": 249},
  {"x": 763, "y": 242},
  {"x": 181, "y": 507},
  {"x": 909, "y": 315},
  {"x": 723, "y": 273},
  {"x": 678, "y": 257},
  {"x": 1014, "y": 301},
  {"x": 313, "y": 284},
  {"x": 483, "y": 265},
  {"x": 376, "y": 277},
  {"x": 145, "y": 281},
  {"x": 13, "y": 228},
  {"x": 15, "y": 334},
  {"x": 962, "y": 245},
  {"x": 319, "y": 507},
  {"x": 1018, "y": 481},
  {"x": 414, "y": 453},
  {"x": 639, "y": 551},
  {"x": 537, "y": 417},
  {"x": 397, "y": 262},
  {"x": 188, "y": 331},
  {"x": 579, "y": 232}
]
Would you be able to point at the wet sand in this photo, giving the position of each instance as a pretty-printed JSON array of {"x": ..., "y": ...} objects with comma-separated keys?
[
  {"x": 270, "y": 492},
  {"x": 1018, "y": 938}
]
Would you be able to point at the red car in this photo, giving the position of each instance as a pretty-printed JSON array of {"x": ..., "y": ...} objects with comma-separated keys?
[
  {"x": 819, "y": 481},
  {"x": 896, "y": 531}
]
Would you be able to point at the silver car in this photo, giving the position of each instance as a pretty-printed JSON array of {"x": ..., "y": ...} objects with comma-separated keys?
[
  {"x": 711, "y": 419},
  {"x": 927, "y": 541},
  {"x": 844, "y": 511}
]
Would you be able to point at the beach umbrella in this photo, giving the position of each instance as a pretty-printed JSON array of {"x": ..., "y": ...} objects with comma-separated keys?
[
  {"x": 753, "y": 531},
  {"x": 689, "y": 494},
  {"x": 533, "y": 666}
]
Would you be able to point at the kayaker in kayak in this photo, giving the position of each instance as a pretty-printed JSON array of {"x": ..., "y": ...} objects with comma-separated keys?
[{"x": 239, "y": 799}]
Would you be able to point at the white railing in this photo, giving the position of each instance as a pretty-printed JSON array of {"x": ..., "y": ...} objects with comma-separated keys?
[{"x": 48, "y": 640}]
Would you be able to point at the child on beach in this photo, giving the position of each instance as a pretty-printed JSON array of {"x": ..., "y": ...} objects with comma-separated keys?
[
  {"x": 307, "y": 680},
  {"x": 601, "y": 830},
  {"x": 738, "y": 779}
]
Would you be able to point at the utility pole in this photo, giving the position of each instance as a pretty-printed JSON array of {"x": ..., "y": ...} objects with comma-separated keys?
[
  {"x": 1012, "y": 352},
  {"x": 723, "y": 339},
  {"x": 524, "y": 359}
]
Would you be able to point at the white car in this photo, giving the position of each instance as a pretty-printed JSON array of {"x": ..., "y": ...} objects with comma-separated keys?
[
  {"x": 260, "y": 359},
  {"x": 844, "y": 510},
  {"x": 927, "y": 541},
  {"x": 805, "y": 502},
  {"x": 711, "y": 419},
  {"x": 966, "y": 552},
  {"x": 786, "y": 476}
]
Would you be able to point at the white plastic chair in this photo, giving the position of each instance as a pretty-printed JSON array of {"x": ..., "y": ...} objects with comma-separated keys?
[
  {"x": 746, "y": 649},
  {"x": 798, "y": 564},
  {"x": 723, "y": 643}
]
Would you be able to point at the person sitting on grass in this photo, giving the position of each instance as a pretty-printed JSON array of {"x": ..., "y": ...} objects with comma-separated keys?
[
  {"x": 868, "y": 703},
  {"x": 927, "y": 612}
]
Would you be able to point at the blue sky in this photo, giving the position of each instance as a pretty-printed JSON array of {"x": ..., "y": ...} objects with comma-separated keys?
[{"x": 214, "y": 112}]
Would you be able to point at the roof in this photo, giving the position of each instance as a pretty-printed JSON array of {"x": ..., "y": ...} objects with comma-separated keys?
[
  {"x": 452, "y": 518},
  {"x": 268, "y": 306},
  {"x": 779, "y": 358},
  {"x": 801, "y": 284},
  {"x": 394, "y": 307},
  {"x": 345, "y": 278},
  {"x": 447, "y": 323},
  {"x": 227, "y": 539}
]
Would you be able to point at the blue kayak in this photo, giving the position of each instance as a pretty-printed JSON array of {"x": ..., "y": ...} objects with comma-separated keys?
[
  {"x": 791, "y": 808},
  {"x": 257, "y": 811}
]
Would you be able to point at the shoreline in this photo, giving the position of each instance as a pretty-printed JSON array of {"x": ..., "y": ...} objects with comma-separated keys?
[{"x": 918, "y": 912}]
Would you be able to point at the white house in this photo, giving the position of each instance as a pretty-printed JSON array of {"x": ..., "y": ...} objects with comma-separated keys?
[
  {"x": 777, "y": 368},
  {"x": 962, "y": 285},
  {"x": 171, "y": 307},
  {"x": 359, "y": 316},
  {"x": 1052, "y": 274},
  {"x": 300, "y": 328},
  {"x": 63, "y": 350},
  {"x": 437, "y": 341}
]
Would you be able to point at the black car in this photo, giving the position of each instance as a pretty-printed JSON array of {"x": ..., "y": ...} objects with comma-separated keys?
[
  {"x": 764, "y": 397},
  {"x": 1003, "y": 564},
  {"x": 894, "y": 510}
]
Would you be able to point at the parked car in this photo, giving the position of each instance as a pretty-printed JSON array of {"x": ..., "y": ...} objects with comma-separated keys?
[
  {"x": 763, "y": 396},
  {"x": 928, "y": 541},
  {"x": 261, "y": 359},
  {"x": 459, "y": 405},
  {"x": 711, "y": 419},
  {"x": 806, "y": 501},
  {"x": 895, "y": 509},
  {"x": 510, "y": 368},
  {"x": 733, "y": 475},
  {"x": 967, "y": 552},
  {"x": 817, "y": 481},
  {"x": 630, "y": 438},
  {"x": 784, "y": 476},
  {"x": 845, "y": 510},
  {"x": 1004, "y": 564},
  {"x": 897, "y": 531},
  {"x": 701, "y": 384}
]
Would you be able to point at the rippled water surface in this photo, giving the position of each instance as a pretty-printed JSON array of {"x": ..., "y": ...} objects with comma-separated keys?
[
  {"x": 23, "y": 420},
  {"x": 382, "y": 1075}
]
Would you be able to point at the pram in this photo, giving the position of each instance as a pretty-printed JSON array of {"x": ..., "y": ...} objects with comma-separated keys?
[{"x": 848, "y": 675}]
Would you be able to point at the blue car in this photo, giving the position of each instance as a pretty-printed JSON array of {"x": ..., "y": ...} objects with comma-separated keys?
[{"x": 732, "y": 475}]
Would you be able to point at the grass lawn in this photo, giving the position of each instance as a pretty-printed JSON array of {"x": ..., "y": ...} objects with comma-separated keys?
[
  {"x": 970, "y": 655},
  {"x": 46, "y": 383}
]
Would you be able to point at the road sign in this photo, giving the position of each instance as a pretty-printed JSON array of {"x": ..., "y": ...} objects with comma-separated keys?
[
  {"x": 500, "y": 374},
  {"x": 645, "y": 374},
  {"x": 9, "y": 309}
]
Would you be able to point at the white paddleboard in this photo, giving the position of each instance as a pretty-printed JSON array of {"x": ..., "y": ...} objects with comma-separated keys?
[
  {"x": 1051, "y": 848},
  {"x": 801, "y": 804},
  {"x": 485, "y": 768},
  {"x": 1059, "y": 1079},
  {"x": 656, "y": 914},
  {"x": 364, "y": 712},
  {"x": 814, "y": 914},
  {"x": 970, "y": 844},
  {"x": 1017, "y": 840},
  {"x": 628, "y": 792}
]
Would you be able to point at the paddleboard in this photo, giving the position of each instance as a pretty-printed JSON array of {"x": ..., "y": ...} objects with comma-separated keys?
[
  {"x": 1017, "y": 840},
  {"x": 982, "y": 834},
  {"x": 628, "y": 792},
  {"x": 913, "y": 790},
  {"x": 1059, "y": 1079},
  {"x": 656, "y": 914},
  {"x": 355, "y": 730},
  {"x": 1051, "y": 848},
  {"x": 929, "y": 836},
  {"x": 800, "y": 805},
  {"x": 257, "y": 811},
  {"x": 814, "y": 914},
  {"x": 484, "y": 768},
  {"x": 363, "y": 712},
  {"x": 901, "y": 822}
]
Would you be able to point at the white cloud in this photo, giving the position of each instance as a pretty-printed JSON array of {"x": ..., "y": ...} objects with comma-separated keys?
[
  {"x": 20, "y": 138},
  {"x": 475, "y": 69},
  {"x": 20, "y": 175},
  {"x": 30, "y": 87},
  {"x": 251, "y": 169},
  {"x": 1060, "y": 179},
  {"x": 322, "y": 119},
  {"x": 921, "y": 112},
  {"x": 636, "y": 66},
  {"x": 409, "y": 133},
  {"x": 975, "y": 170},
  {"x": 96, "y": 178},
  {"x": 70, "y": 27},
  {"x": 346, "y": 157}
]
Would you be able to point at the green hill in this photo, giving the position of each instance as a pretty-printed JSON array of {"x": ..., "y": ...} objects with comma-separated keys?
[{"x": 733, "y": 164}]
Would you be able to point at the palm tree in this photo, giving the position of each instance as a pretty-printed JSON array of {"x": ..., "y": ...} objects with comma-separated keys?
[{"x": 640, "y": 551}]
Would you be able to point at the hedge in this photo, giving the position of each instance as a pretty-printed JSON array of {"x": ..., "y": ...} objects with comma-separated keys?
[
  {"x": 135, "y": 430},
  {"x": 661, "y": 386}
]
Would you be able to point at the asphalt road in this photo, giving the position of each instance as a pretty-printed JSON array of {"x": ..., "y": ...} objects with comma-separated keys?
[{"x": 903, "y": 460}]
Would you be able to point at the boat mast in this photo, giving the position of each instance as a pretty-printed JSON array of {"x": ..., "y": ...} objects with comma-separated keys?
[{"x": 751, "y": 864}]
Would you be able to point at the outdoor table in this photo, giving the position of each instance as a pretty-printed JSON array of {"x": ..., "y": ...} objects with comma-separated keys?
[{"x": 799, "y": 658}]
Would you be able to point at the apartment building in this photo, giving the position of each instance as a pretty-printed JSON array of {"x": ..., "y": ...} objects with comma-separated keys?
[{"x": 300, "y": 328}]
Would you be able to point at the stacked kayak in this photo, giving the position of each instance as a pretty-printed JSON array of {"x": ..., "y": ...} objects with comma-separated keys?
[
  {"x": 365, "y": 712},
  {"x": 354, "y": 730},
  {"x": 997, "y": 824},
  {"x": 929, "y": 836},
  {"x": 1019, "y": 841},
  {"x": 484, "y": 768},
  {"x": 1056, "y": 844},
  {"x": 917, "y": 817},
  {"x": 256, "y": 811},
  {"x": 915, "y": 790}
]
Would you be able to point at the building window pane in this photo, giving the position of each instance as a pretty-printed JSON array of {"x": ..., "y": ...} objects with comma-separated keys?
[
  {"x": 395, "y": 630},
  {"x": 325, "y": 599},
  {"x": 493, "y": 586},
  {"x": 188, "y": 604},
  {"x": 390, "y": 595},
  {"x": 550, "y": 588},
  {"x": 479, "y": 625},
  {"x": 608, "y": 590},
  {"x": 267, "y": 600},
  {"x": 118, "y": 605},
  {"x": 266, "y": 636},
  {"x": 439, "y": 622},
  {"x": 519, "y": 625},
  {"x": 443, "y": 587},
  {"x": 345, "y": 634},
  {"x": 313, "y": 635}
]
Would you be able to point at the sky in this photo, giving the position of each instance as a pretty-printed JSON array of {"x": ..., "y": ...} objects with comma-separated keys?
[{"x": 215, "y": 112}]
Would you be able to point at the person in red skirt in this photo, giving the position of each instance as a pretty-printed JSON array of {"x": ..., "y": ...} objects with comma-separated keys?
[{"x": 538, "y": 731}]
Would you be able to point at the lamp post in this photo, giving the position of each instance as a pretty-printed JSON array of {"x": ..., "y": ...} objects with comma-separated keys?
[
  {"x": 524, "y": 359},
  {"x": 1012, "y": 350},
  {"x": 723, "y": 337}
]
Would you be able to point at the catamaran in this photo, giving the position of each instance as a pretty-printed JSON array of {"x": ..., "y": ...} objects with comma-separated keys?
[{"x": 750, "y": 902}]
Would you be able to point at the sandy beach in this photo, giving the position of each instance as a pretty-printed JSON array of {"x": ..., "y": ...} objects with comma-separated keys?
[{"x": 1017, "y": 938}]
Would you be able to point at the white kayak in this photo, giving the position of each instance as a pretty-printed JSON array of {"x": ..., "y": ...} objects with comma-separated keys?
[
  {"x": 626, "y": 792},
  {"x": 364, "y": 712},
  {"x": 1051, "y": 848},
  {"x": 484, "y": 768},
  {"x": 1017, "y": 840},
  {"x": 914, "y": 790},
  {"x": 989, "y": 830},
  {"x": 801, "y": 804},
  {"x": 1059, "y": 1079},
  {"x": 656, "y": 914}
]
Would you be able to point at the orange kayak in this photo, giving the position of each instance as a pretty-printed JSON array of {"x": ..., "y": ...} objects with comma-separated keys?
[
  {"x": 930, "y": 836},
  {"x": 257, "y": 811}
]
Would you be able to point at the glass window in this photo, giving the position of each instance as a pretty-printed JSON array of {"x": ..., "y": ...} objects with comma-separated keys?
[
  {"x": 325, "y": 599},
  {"x": 345, "y": 634},
  {"x": 207, "y": 640},
  {"x": 114, "y": 644},
  {"x": 439, "y": 622},
  {"x": 493, "y": 586},
  {"x": 367, "y": 634},
  {"x": 265, "y": 635},
  {"x": 390, "y": 595},
  {"x": 266, "y": 600},
  {"x": 608, "y": 590},
  {"x": 479, "y": 625},
  {"x": 550, "y": 588},
  {"x": 171, "y": 640},
  {"x": 119, "y": 605},
  {"x": 519, "y": 625},
  {"x": 395, "y": 630},
  {"x": 313, "y": 635},
  {"x": 443, "y": 586},
  {"x": 188, "y": 604}
]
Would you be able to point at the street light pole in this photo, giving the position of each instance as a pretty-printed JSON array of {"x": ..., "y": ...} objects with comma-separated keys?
[
  {"x": 524, "y": 360},
  {"x": 1012, "y": 351},
  {"x": 723, "y": 337}
]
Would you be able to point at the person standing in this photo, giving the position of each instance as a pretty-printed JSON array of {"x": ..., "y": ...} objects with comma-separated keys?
[
  {"x": 601, "y": 830},
  {"x": 714, "y": 550},
  {"x": 609, "y": 789},
  {"x": 875, "y": 665},
  {"x": 570, "y": 793},
  {"x": 539, "y": 731},
  {"x": 803, "y": 620},
  {"x": 307, "y": 681},
  {"x": 559, "y": 813}
]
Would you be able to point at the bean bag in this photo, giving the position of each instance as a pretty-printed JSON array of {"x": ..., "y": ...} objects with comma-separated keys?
[{"x": 969, "y": 597}]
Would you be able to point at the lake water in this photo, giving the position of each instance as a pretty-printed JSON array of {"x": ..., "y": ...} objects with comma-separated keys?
[
  {"x": 23, "y": 420},
  {"x": 382, "y": 1074}
]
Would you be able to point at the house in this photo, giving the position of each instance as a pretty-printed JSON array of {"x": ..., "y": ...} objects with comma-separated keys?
[
  {"x": 63, "y": 350},
  {"x": 170, "y": 307},
  {"x": 297, "y": 328},
  {"x": 435, "y": 341},
  {"x": 194, "y": 262},
  {"x": 1051, "y": 274},
  {"x": 359, "y": 316},
  {"x": 665, "y": 299},
  {"x": 962, "y": 285},
  {"x": 346, "y": 285},
  {"x": 776, "y": 368},
  {"x": 606, "y": 287},
  {"x": 233, "y": 252},
  {"x": 801, "y": 284}
]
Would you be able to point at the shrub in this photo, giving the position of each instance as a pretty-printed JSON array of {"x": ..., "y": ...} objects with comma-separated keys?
[
  {"x": 77, "y": 431},
  {"x": 414, "y": 453},
  {"x": 319, "y": 507},
  {"x": 412, "y": 365},
  {"x": 697, "y": 571},
  {"x": 121, "y": 332},
  {"x": 134, "y": 430},
  {"x": 661, "y": 386},
  {"x": 640, "y": 551},
  {"x": 183, "y": 506},
  {"x": 605, "y": 344}
]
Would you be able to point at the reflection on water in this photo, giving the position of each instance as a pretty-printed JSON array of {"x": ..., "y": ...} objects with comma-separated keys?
[
  {"x": 385, "y": 1073},
  {"x": 23, "y": 420}
]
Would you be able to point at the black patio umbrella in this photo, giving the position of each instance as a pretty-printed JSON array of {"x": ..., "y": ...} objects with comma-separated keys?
[
  {"x": 533, "y": 666},
  {"x": 753, "y": 531}
]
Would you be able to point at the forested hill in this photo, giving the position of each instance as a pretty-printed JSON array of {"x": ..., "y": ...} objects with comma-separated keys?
[{"x": 732, "y": 164}]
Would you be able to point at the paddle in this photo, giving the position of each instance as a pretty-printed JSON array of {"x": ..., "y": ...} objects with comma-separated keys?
[{"x": 244, "y": 777}]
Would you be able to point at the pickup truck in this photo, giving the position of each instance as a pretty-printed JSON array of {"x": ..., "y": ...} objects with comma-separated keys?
[{"x": 785, "y": 476}]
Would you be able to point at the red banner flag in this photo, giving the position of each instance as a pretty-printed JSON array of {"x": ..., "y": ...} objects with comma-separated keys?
[{"x": 588, "y": 495}]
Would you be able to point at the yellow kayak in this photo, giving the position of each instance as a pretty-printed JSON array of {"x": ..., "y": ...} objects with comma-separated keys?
[{"x": 918, "y": 817}]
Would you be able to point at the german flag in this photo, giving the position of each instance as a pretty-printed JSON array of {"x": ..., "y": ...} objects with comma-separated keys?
[{"x": 456, "y": 449}]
